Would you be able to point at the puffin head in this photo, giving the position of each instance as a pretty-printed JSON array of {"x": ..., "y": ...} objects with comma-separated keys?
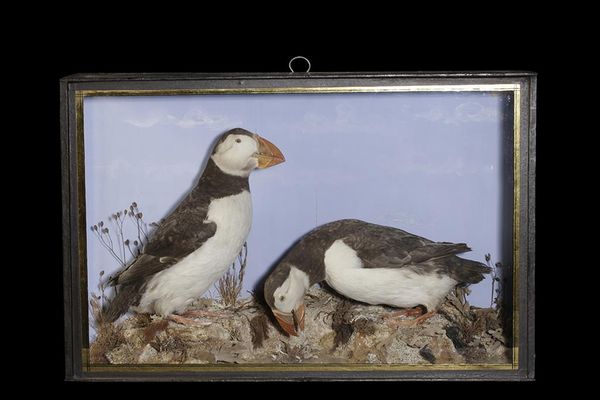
[
  {"x": 238, "y": 152},
  {"x": 284, "y": 293}
]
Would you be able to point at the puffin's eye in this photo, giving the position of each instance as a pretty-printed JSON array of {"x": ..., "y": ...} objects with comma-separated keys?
[
  {"x": 238, "y": 140},
  {"x": 281, "y": 298}
]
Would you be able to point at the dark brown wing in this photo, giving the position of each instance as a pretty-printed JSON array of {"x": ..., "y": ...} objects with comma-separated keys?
[
  {"x": 386, "y": 247},
  {"x": 179, "y": 234},
  {"x": 144, "y": 266},
  {"x": 182, "y": 232}
]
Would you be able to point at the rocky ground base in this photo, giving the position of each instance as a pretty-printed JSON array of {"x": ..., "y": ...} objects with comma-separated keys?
[{"x": 337, "y": 331}]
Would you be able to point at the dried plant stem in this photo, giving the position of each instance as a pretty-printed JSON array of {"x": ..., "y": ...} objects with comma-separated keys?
[
  {"x": 144, "y": 229},
  {"x": 496, "y": 271},
  {"x": 118, "y": 220},
  {"x": 108, "y": 247},
  {"x": 242, "y": 261},
  {"x": 230, "y": 285},
  {"x": 137, "y": 221},
  {"x": 493, "y": 291},
  {"x": 130, "y": 251},
  {"x": 120, "y": 232}
]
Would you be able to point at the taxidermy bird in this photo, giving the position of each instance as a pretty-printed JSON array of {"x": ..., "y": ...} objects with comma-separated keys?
[
  {"x": 195, "y": 245},
  {"x": 369, "y": 263}
]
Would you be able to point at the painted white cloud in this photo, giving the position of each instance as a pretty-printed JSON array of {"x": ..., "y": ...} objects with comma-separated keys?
[
  {"x": 338, "y": 120},
  {"x": 404, "y": 219},
  {"x": 344, "y": 115},
  {"x": 476, "y": 112},
  {"x": 112, "y": 169},
  {"x": 434, "y": 114},
  {"x": 190, "y": 119},
  {"x": 199, "y": 117},
  {"x": 117, "y": 169},
  {"x": 143, "y": 122},
  {"x": 313, "y": 121},
  {"x": 464, "y": 112}
]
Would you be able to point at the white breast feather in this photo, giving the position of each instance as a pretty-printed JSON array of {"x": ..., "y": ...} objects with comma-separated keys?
[
  {"x": 173, "y": 289},
  {"x": 399, "y": 287}
]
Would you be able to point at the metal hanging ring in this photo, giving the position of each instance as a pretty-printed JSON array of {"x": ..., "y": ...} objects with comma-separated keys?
[{"x": 299, "y": 57}]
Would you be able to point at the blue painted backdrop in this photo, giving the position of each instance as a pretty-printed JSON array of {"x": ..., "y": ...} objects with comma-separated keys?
[{"x": 429, "y": 163}]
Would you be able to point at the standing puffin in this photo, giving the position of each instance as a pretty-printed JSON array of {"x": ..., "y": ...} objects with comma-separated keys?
[
  {"x": 369, "y": 263},
  {"x": 195, "y": 244}
]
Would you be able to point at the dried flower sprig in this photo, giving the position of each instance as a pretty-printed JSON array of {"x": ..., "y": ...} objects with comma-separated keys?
[
  {"x": 230, "y": 285},
  {"x": 495, "y": 300},
  {"x": 97, "y": 301},
  {"x": 120, "y": 248}
]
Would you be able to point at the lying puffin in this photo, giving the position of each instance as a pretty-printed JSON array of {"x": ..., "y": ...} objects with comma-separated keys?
[
  {"x": 195, "y": 245},
  {"x": 369, "y": 263}
]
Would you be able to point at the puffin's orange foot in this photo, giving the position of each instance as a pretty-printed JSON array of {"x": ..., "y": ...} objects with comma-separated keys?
[
  {"x": 182, "y": 320},
  {"x": 201, "y": 313},
  {"x": 407, "y": 312},
  {"x": 187, "y": 317},
  {"x": 154, "y": 329},
  {"x": 422, "y": 317}
]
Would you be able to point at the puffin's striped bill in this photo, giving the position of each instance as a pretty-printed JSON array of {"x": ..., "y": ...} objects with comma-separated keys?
[
  {"x": 268, "y": 154},
  {"x": 299, "y": 316},
  {"x": 286, "y": 321}
]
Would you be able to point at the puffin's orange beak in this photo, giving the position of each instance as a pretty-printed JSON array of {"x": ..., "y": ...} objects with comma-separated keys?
[
  {"x": 268, "y": 154},
  {"x": 290, "y": 321},
  {"x": 286, "y": 321},
  {"x": 299, "y": 316}
]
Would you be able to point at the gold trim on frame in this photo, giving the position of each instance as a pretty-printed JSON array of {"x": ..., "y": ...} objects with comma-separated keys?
[
  {"x": 516, "y": 222},
  {"x": 81, "y": 220},
  {"x": 292, "y": 367},
  {"x": 303, "y": 90},
  {"x": 515, "y": 88}
]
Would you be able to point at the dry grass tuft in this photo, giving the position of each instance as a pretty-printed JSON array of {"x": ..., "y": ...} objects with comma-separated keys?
[
  {"x": 341, "y": 323},
  {"x": 259, "y": 326},
  {"x": 469, "y": 325},
  {"x": 141, "y": 320},
  {"x": 171, "y": 343},
  {"x": 154, "y": 328},
  {"x": 230, "y": 285},
  {"x": 108, "y": 337},
  {"x": 364, "y": 326},
  {"x": 465, "y": 323},
  {"x": 296, "y": 354}
]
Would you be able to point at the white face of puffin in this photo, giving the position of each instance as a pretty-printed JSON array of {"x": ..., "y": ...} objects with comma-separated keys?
[
  {"x": 240, "y": 154},
  {"x": 289, "y": 301}
]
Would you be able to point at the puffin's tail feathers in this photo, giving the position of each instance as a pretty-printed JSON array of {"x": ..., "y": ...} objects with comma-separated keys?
[
  {"x": 437, "y": 250},
  {"x": 468, "y": 271},
  {"x": 120, "y": 303}
]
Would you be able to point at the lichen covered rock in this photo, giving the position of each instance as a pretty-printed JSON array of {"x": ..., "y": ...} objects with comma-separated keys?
[{"x": 336, "y": 331}]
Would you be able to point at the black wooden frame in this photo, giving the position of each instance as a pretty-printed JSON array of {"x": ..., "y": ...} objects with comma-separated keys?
[{"x": 74, "y": 88}]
